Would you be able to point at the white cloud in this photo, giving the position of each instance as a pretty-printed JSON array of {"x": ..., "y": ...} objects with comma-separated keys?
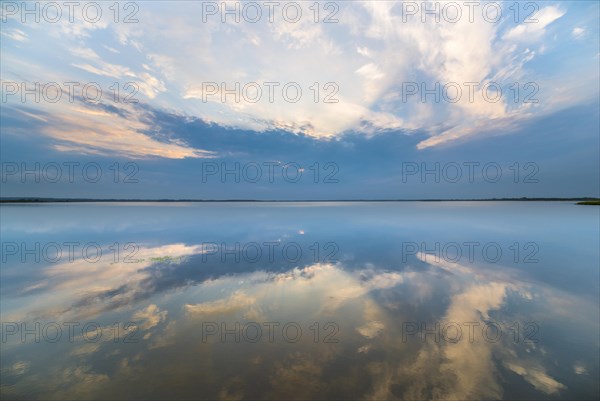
[
  {"x": 535, "y": 26},
  {"x": 91, "y": 131},
  {"x": 15, "y": 34},
  {"x": 578, "y": 33},
  {"x": 369, "y": 55}
]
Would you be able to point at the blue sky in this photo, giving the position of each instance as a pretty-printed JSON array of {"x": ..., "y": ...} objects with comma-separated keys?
[{"x": 179, "y": 56}]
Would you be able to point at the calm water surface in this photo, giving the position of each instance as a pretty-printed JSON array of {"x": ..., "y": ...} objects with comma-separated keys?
[{"x": 413, "y": 300}]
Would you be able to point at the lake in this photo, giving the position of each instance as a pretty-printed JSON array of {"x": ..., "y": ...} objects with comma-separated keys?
[{"x": 305, "y": 300}]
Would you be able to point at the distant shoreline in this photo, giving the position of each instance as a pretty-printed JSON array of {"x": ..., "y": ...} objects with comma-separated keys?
[{"x": 581, "y": 201}]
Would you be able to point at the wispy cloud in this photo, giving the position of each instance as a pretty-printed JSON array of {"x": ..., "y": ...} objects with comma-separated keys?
[{"x": 362, "y": 64}]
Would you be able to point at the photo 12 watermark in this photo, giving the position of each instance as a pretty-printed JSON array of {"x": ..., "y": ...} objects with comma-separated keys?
[
  {"x": 69, "y": 252},
  {"x": 263, "y": 172},
  {"x": 271, "y": 332},
  {"x": 472, "y": 332},
  {"x": 469, "y": 92},
  {"x": 70, "y": 91},
  {"x": 492, "y": 12},
  {"x": 71, "y": 332},
  {"x": 269, "y": 252},
  {"x": 272, "y": 12},
  {"x": 70, "y": 12},
  {"x": 471, "y": 251},
  {"x": 469, "y": 172},
  {"x": 70, "y": 172},
  {"x": 268, "y": 91}
]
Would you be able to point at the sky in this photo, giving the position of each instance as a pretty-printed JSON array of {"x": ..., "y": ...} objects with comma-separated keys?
[{"x": 300, "y": 100}]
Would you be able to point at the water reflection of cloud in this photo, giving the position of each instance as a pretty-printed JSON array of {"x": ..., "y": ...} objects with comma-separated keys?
[
  {"x": 236, "y": 302},
  {"x": 80, "y": 289},
  {"x": 150, "y": 317},
  {"x": 537, "y": 376},
  {"x": 464, "y": 369},
  {"x": 371, "y": 329},
  {"x": 371, "y": 360}
]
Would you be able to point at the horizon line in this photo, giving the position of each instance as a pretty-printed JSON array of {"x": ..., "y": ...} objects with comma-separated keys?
[{"x": 14, "y": 199}]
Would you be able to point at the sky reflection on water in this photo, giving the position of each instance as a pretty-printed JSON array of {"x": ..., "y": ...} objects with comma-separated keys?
[{"x": 302, "y": 301}]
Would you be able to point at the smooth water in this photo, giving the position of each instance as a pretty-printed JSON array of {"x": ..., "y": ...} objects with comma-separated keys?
[{"x": 387, "y": 300}]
